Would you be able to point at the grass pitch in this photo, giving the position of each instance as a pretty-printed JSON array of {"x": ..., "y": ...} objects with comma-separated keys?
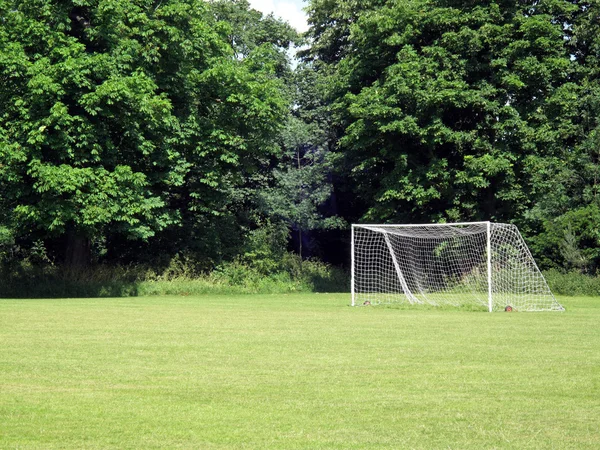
[{"x": 295, "y": 371}]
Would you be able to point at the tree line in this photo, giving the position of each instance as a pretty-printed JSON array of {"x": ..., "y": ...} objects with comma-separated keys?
[{"x": 135, "y": 131}]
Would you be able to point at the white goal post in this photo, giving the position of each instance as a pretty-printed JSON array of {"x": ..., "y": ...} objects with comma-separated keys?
[{"x": 474, "y": 263}]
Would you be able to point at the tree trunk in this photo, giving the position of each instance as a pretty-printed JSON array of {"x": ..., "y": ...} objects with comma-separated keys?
[
  {"x": 300, "y": 243},
  {"x": 79, "y": 251},
  {"x": 489, "y": 205},
  {"x": 299, "y": 228}
]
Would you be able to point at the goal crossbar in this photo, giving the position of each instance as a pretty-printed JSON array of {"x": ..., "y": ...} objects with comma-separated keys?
[{"x": 416, "y": 225}]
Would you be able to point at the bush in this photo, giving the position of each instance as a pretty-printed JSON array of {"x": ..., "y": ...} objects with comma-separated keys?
[
  {"x": 265, "y": 247},
  {"x": 181, "y": 277},
  {"x": 572, "y": 283}
]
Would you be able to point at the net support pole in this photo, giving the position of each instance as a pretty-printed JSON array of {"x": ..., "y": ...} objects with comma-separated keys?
[
  {"x": 352, "y": 263},
  {"x": 489, "y": 264},
  {"x": 411, "y": 298}
]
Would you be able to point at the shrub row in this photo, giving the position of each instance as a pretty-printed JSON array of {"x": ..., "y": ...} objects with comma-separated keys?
[
  {"x": 572, "y": 283},
  {"x": 179, "y": 278}
]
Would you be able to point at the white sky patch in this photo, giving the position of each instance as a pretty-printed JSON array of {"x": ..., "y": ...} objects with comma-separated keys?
[{"x": 288, "y": 10}]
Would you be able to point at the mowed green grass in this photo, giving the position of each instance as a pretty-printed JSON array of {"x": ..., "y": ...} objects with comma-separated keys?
[{"x": 295, "y": 371}]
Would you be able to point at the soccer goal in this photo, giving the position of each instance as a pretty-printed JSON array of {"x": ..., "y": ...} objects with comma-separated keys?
[{"x": 477, "y": 263}]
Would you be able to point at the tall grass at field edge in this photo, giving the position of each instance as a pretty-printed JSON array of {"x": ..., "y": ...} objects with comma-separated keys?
[
  {"x": 177, "y": 279},
  {"x": 227, "y": 279},
  {"x": 572, "y": 283}
]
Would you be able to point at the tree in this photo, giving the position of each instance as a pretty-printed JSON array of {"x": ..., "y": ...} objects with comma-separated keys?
[
  {"x": 301, "y": 182},
  {"x": 565, "y": 219},
  {"x": 251, "y": 31},
  {"x": 126, "y": 118},
  {"x": 445, "y": 109}
]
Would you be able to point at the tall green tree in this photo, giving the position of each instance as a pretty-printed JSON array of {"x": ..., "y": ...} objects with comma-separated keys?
[
  {"x": 261, "y": 45},
  {"x": 251, "y": 31},
  {"x": 126, "y": 118},
  {"x": 565, "y": 218},
  {"x": 446, "y": 109}
]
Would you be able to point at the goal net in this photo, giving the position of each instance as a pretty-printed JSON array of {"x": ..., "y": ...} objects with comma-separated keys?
[{"x": 479, "y": 263}]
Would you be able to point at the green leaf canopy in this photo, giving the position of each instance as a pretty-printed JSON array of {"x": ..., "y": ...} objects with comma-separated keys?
[{"x": 124, "y": 116}]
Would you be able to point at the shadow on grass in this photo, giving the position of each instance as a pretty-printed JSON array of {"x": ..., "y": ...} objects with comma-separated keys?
[
  {"x": 469, "y": 307},
  {"x": 20, "y": 288}
]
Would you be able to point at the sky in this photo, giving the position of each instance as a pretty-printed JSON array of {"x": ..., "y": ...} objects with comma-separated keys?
[{"x": 289, "y": 10}]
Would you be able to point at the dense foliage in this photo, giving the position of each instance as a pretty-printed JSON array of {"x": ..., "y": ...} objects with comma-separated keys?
[
  {"x": 132, "y": 120},
  {"x": 142, "y": 131},
  {"x": 459, "y": 110}
]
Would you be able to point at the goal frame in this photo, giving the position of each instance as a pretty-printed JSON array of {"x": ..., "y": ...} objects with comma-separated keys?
[{"x": 487, "y": 224}]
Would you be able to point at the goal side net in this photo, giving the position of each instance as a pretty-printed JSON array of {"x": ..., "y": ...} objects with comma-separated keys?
[{"x": 480, "y": 263}]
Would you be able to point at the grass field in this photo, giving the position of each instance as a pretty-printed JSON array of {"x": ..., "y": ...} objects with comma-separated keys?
[{"x": 295, "y": 371}]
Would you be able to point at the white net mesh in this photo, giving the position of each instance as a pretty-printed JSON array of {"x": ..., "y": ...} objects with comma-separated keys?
[{"x": 447, "y": 264}]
